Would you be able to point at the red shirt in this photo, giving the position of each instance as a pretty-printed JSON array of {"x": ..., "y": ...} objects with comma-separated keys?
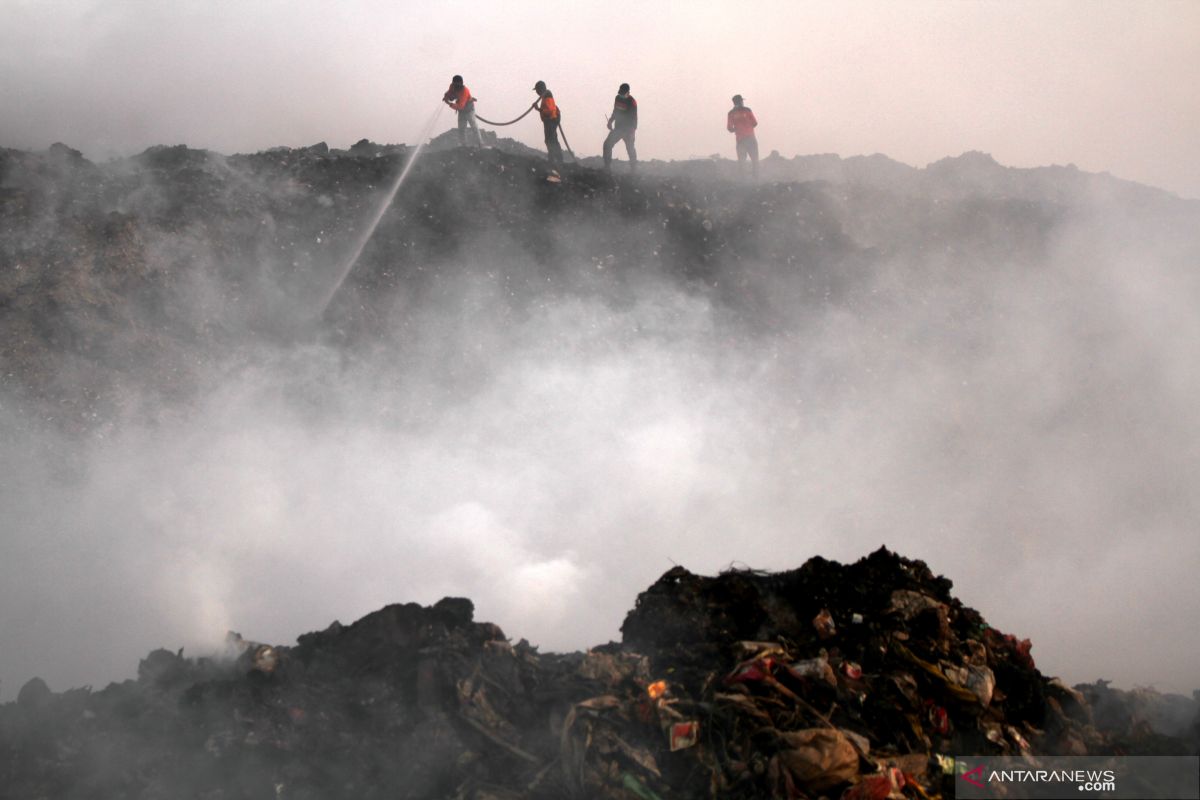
[{"x": 741, "y": 122}]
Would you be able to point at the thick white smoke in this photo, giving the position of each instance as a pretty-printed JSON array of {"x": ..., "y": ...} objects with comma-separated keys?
[{"x": 1029, "y": 430}]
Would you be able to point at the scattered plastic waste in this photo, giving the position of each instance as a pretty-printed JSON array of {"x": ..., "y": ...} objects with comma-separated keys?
[
  {"x": 684, "y": 735},
  {"x": 733, "y": 687},
  {"x": 823, "y": 622},
  {"x": 265, "y": 659}
]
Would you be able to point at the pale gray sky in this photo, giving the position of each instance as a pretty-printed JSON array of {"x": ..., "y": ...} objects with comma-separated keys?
[{"x": 1108, "y": 86}]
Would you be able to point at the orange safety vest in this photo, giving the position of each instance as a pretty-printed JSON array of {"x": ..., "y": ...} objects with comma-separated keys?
[
  {"x": 548, "y": 108},
  {"x": 625, "y": 112},
  {"x": 460, "y": 98}
]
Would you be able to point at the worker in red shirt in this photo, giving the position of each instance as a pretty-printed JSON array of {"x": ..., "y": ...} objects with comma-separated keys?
[
  {"x": 458, "y": 97},
  {"x": 551, "y": 117},
  {"x": 741, "y": 123},
  {"x": 622, "y": 125}
]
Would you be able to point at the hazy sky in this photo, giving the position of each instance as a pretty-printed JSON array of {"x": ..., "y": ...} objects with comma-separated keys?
[{"x": 1108, "y": 86}]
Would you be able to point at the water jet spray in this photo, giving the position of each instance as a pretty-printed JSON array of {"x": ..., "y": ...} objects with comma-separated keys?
[{"x": 356, "y": 253}]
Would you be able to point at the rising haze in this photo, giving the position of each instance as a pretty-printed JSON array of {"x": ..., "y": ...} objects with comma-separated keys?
[{"x": 1029, "y": 430}]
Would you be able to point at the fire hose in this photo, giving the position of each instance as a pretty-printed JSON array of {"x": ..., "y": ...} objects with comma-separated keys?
[
  {"x": 568, "y": 144},
  {"x": 518, "y": 119},
  {"x": 510, "y": 122}
]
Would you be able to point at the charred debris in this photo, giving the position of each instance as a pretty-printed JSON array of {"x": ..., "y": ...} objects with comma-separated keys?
[
  {"x": 107, "y": 260},
  {"x": 134, "y": 276},
  {"x": 831, "y": 680}
]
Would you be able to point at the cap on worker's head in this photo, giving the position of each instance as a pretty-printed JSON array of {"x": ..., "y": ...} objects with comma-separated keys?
[
  {"x": 624, "y": 88},
  {"x": 457, "y": 80},
  {"x": 539, "y": 86},
  {"x": 737, "y": 98}
]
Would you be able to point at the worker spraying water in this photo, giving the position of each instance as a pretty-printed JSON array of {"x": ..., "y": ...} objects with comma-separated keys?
[
  {"x": 369, "y": 231},
  {"x": 459, "y": 98}
]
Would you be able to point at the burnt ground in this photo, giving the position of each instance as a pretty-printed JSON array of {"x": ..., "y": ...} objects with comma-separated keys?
[{"x": 133, "y": 276}]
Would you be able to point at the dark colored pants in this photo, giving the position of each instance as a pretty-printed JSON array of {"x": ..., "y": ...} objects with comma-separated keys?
[
  {"x": 467, "y": 117},
  {"x": 748, "y": 147},
  {"x": 616, "y": 135},
  {"x": 553, "y": 150}
]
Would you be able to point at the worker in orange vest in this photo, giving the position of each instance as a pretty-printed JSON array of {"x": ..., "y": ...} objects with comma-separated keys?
[
  {"x": 458, "y": 97},
  {"x": 551, "y": 117},
  {"x": 741, "y": 123}
]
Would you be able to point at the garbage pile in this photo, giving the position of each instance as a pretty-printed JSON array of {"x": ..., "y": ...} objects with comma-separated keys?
[
  {"x": 854, "y": 681},
  {"x": 133, "y": 280},
  {"x": 862, "y": 678}
]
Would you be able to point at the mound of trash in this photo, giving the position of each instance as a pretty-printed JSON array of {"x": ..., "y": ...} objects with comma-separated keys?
[
  {"x": 852, "y": 681},
  {"x": 132, "y": 280}
]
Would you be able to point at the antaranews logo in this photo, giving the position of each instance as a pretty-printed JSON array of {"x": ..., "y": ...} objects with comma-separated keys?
[
  {"x": 1077, "y": 777},
  {"x": 978, "y": 776},
  {"x": 1094, "y": 780}
]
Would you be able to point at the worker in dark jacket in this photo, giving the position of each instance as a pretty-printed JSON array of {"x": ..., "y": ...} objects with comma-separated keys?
[
  {"x": 622, "y": 125},
  {"x": 741, "y": 123},
  {"x": 551, "y": 117},
  {"x": 458, "y": 97}
]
